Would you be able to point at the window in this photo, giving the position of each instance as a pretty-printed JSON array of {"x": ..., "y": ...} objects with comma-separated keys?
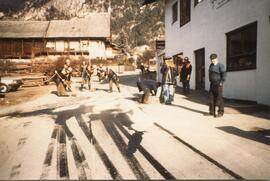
[
  {"x": 184, "y": 12},
  {"x": 174, "y": 12},
  {"x": 196, "y": 2},
  {"x": 242, "y": 48}
]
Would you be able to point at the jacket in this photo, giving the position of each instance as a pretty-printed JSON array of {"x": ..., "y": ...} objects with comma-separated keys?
[
  {"x": 168, "y": 75},
  {"x": 217, "y": 73},
  {"x": 185, "y": 71}
]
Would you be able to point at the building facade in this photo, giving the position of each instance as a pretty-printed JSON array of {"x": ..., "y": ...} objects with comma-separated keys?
[
  {"x": 27, "y": 39},
  {"x": 237, "y": 30}
]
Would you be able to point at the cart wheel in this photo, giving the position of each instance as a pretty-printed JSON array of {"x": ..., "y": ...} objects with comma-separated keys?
[{"x": 3, "y": 88}]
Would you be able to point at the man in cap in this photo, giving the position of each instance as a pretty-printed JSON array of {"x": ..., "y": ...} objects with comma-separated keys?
[
  {"x": 185, "y": 75},
  {"x": 217, "y": 77}
]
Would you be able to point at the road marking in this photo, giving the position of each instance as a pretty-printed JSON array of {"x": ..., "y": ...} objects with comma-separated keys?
[
  {"x": 80, "y": 160},
  {"x": 104, "y": 157},
  {"x": 62, "y": 163},
  {"x": 122, "y": 146},
  {"x": 48, "y": 158},
  {"x": 162, "y": 170}
]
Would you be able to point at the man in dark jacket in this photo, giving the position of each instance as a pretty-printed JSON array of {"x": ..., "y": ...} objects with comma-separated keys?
[
  {"x": 113, "y": 78},
  {"x": 185, "y": 75},
  {"x": 217, "y": 77}
]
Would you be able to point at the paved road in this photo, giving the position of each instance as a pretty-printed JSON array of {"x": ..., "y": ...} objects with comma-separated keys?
[{"x": 101, "y": 135}]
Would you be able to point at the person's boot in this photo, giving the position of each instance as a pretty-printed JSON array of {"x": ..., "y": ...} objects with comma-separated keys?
[
  {"x": 220, "y": 114},
  {"x": 118, "y": 89}
]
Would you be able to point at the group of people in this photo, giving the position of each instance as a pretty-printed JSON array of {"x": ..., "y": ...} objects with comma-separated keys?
[
  {"x": 217, "y": 77},
  {"x": 62, "y": 77},
  {"x": 169, "y": 78}
]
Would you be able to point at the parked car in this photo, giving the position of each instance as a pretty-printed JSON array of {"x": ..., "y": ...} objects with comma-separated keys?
[{"x": 8, "y": 84}]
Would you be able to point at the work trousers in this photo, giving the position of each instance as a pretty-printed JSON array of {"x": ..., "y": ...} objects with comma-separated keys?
[
  {"x": 87, "y": 81},
  {"x": 186, "y": 86},
  {"x": 61, "y": 90},
  {"x": 168, "y": 93},
  {"x": 111, "y": 81},
  {"x": 216, "y": 99}
]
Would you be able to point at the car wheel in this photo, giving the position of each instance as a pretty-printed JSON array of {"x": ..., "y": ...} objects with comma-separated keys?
[{"x": 3, "y": 88}]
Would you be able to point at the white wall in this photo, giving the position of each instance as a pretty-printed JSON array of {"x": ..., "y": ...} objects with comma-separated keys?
[
  {"x": 207, "y": 30},
  {"x": 97, "y": 49}
]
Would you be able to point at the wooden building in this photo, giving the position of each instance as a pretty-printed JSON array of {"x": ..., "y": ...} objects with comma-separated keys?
[{"x": 28, "y": 39}]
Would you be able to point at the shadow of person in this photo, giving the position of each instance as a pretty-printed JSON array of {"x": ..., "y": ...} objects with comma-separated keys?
[
  {"x": 54, "y": 92},
  {"x": 65, "y": 115},
  {"x": 134, "y": 142}
]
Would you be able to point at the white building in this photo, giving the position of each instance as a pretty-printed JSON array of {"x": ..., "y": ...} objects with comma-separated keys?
[{"x": 237, "y": 30}]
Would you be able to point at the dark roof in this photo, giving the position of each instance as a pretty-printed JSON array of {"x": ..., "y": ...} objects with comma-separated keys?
[
  {"x": 96, "y": 25},
  {"x": 23, "y": 29}
]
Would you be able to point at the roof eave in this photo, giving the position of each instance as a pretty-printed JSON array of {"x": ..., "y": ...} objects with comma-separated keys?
[{"x": 148, "y": 2}]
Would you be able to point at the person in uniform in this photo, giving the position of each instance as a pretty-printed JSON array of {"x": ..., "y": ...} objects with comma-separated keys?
[
  {"x": 66, "y": 72},
  {"x": 86, "y": 73},
  {"x": 63, "y": 79},
  {"x": 101, "y": 73},
  {"x": 113, "y": 78}
]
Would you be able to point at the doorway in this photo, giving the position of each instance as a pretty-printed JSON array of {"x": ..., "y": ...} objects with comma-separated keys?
[{"x": 200, "y": 69}]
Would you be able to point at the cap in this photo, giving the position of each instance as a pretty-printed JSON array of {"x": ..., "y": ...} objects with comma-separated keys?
[
  {"x": 213, "y": 56},
  {"x": 186, "y": 59}
]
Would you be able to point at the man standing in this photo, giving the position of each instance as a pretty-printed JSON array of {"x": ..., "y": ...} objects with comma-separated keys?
[
  {"x": 217, "y": 77},
  {"x": 67, "y": 71},
  {"x": 185, "y": 75},
  {"x": 113, "y": 78},
  {"x": 86, "y": 72},
  {"x": 100, "y": 73},
  {"x": 169, "y": 74}
]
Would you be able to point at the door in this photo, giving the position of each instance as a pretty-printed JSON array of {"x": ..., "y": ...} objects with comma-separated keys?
[{"x": 200, "y": 69}]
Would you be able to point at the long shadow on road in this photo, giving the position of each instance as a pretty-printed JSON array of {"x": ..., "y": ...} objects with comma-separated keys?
[{"x": 258, "y": 136}]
